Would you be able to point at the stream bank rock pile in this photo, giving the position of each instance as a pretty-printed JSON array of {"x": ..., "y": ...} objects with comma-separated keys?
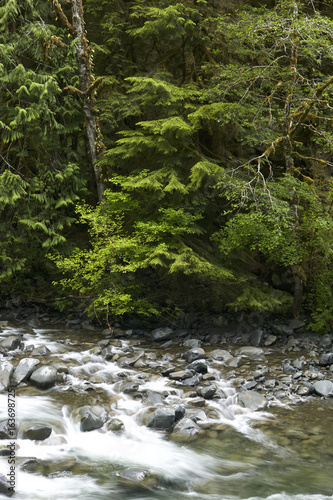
[{"x": 260, "y": 364}]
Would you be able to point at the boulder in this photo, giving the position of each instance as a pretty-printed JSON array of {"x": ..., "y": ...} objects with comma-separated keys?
[
  {"x": 181, "y": 375},
  {"x": 41, "y": 350},
  {"x": 323, "y": 388},
  {"x": 161, "y": 418},
  {"x": 93, "y": 417},
  {"x": 326, "y": 359},
  {"x": 256, "y": 337},
  {"x": 252, "y": 400},
  {"x": 37, "y": 432},
  {"x": 5, "y": 486},
  {"x": 6, "y": 370},
  {"x": 44, "y": 377},
  {"x": 23, "y": 370},
  {"x": 115, "y": 425},
  {"x": 11, "y": 343},
  {"x": 164, "y": 333},
  {"x": 194, "y": 354},
  {"x": 4, "y": 431},
  {"x": 207, "y": 392},
  {"x": 199, "y": 366},
  {"x": 186, "y": 429},
  {"x": 220, "y": 355}
]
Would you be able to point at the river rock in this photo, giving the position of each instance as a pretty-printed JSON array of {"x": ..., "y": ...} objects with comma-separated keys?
[
  {"x": 37, "y": 432},
  {"x": 164, "y": 333},
  {"x": 134, "y": 474},
  {"x": 323, "y": 387},
  {"x": 207, "y": 392},
  {"x": 256, "y": 337},
  {"x": 194, "y": 354},
  {"x": 181, "y": 375},
  {"x": 6, "y": 370},
  {"x": 250, "y": 351},
  {"x": 4, "y": 486},
  {"x": 199, "y": 366},
  {"x": 11, "y": 343},
  {"x": 252, "y": 400},
  {"x": 235, "y": 362},
  {"x": 23, "y": 370},
  {"x": 220, "y": 355},
  {"x": 41, "y": 350},
  {"x": 115, "y": 425},
  {"x": 326, "y": 359},
  {"x": 4, "y": 431},
  {"x": 93, "y": 417},
  {"x": 192, "y": 343},
  {"x": 270, "y": 340},
  {"x": 185, "y": 429},
  {"x": 161, "y": 418},
  {"x": 130, "y": 361},
  {"x": 179, "y": 412},
  {"x": 192, "y": 381},
  {"x": 44, "y": 377}
]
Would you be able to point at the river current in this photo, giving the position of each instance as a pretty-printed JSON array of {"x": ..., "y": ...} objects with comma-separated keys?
[{"x": 282, "y": 453}]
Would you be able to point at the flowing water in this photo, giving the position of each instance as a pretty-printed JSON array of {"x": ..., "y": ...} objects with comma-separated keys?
[{"x": 284, "y": 453}]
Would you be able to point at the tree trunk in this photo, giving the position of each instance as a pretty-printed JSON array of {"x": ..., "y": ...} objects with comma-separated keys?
[{"x": 87, "y": 86}]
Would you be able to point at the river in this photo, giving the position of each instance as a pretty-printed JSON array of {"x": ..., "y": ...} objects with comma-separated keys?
[{"x": 284, "y": 452}]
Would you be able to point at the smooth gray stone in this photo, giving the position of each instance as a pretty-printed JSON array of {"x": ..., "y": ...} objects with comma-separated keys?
[
  {"x": 323, "y": 387},
  {"x": 252, "y": 400},
  {"x": 44, "y": 377},
  {"x": 194, "y": 354},
  {"x": 37, "y": 433},
  {"x": 23, "y": 370},
  {"x": 186, "y": 428},
  {"x": 6, "y": 370},
  {"x": 161, "y": 418},
  {"x": 164, "y": 333}
]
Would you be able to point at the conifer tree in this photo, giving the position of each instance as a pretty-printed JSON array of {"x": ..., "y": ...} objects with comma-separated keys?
[{"x": 40, "y": 145}]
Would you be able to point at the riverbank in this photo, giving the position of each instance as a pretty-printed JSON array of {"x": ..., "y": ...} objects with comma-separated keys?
[{"x": 213, "y": 383}]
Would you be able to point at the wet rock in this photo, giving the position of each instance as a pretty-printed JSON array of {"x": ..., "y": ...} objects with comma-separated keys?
[
  {"x": 298, "y": 364},
  {"x": 235, "y": 362},
  {"x": 161, "y": 418},
  {"x": 23, "y": 370},
  {"x": 270, "y": 384},
  {"x": 208, "y": 377},
  {"x": 326, "y": 359},
  {"x": 181, "y": 375},
  {"x": 93, "y": 417},
  {"x": 5, "y": 487},
  {"x": 297, "y": 325},
  {"x": 138, "y": 477},
  {"x": 252, "y": 400},
  {"x": 6, "y": 370},
  {"x": 220, "y": 355},
  {"x": 192, "y": 343},
  {"x": 250, "y": 351},
  {"x": 270, "y": 340},
  {"x": 11, "y": 343},
  {"x": 37, "y": 432},
  {"x": 251, "y": 384},
  {"x": 115, "y": 425},
  {"x": 256, "y": 337},
  {"x": 185, "y": 429},
  {"x": 323, "y": 388},
  {"x": 192, "y": 381},
  {"x": 194, "y": 354},
  {"x": 4, "y": 431},
  {"x": 153, "y": 398},
  {"x": 168, "y": 370},
  {"x": 198, "y": 402},
  {"x": 199, "y": 366},
  {"x": 179, "y": 412},
  {"x": 287, "y": 368},
  {"x": 44, "y": 377},
  {"x": 41, "y": 350},
  {"x": 130, "y": 361},
  {"x": 325, "y": 341},
  {"x": 164, "y": 333},
  {"x": 207, "y": 392}
]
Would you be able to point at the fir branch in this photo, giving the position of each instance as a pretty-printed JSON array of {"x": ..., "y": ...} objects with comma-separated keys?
[{"x": 62, "y": 16}]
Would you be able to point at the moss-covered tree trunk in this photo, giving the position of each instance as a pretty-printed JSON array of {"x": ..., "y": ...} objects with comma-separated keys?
[{"x": 87, "y": 87}]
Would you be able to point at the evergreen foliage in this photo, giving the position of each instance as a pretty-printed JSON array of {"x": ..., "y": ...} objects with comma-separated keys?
[
  {"x": 216, "y": 117},
  {"x": 39, "y": 174}
]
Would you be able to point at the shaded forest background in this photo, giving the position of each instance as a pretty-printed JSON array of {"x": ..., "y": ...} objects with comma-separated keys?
[{"x": 166, "y": 157}]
